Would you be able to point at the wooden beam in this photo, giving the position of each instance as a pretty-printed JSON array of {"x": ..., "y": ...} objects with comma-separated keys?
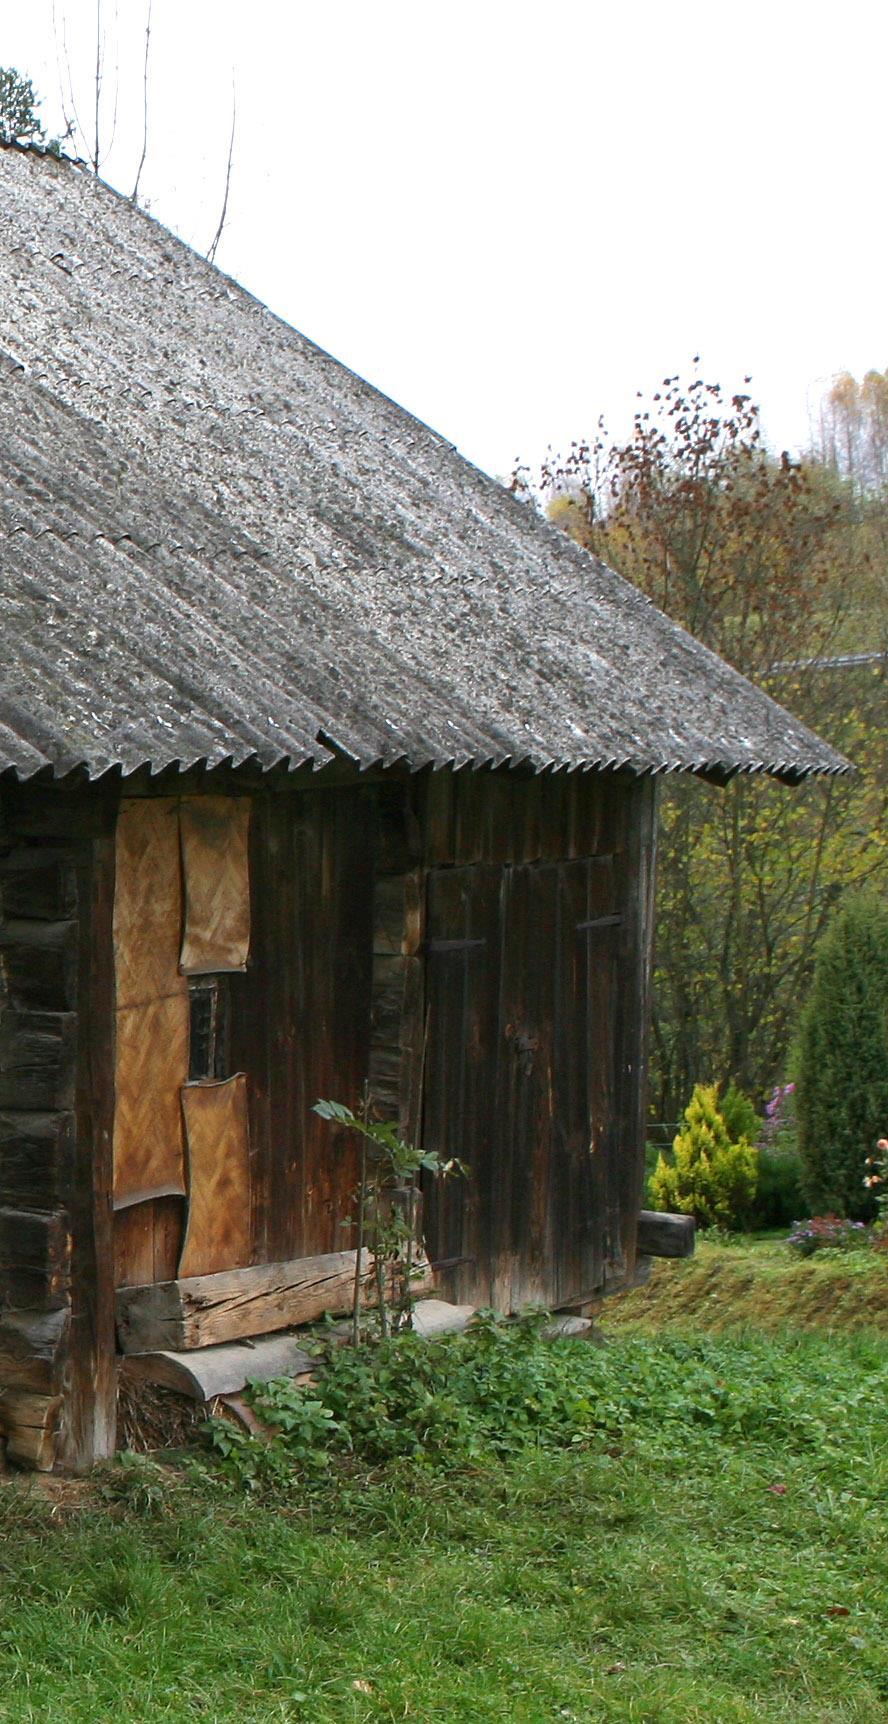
[
  {"x": 36, "y": 1158},
  {"x": 665, "y": 1235},
  {"x": 29, "y": 1424},
  {"x": 224, "y": 1370},
  {"x": 37, "y": 1059},
  {"x": 88, "y": 1428},
  {"x": 175, "y": 1316},
  {"x": 32, "y": 1345},
  {"x": 35, "y": 1258}
]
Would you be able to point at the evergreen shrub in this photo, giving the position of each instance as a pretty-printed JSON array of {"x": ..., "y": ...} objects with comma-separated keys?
[
  {"x": 708, "y": 1176},
  {"x": 842, "y": 1077}
]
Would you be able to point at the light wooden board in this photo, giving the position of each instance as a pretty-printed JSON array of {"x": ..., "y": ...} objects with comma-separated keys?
[
  {"x": 215, "y": 857},
  {"x": 199, "y": 1311},
  {"x": 217, "y": 1132},
  {"x": 152, "y": 1017},
  {"x": 151, "y": 1068},
  {"x": 147, "y": 901}
]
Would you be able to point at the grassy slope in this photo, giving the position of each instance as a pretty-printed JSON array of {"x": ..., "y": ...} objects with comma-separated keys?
[
  {"x": 764, "y": 1285},
  {"x": 671, "y": 1572}
]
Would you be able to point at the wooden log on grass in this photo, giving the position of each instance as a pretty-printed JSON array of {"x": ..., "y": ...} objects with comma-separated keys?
[
  {"x": 661, "y": 1235},
  {"x": 206, "y": 1372},
  {"x": 234, "y": 1304}
]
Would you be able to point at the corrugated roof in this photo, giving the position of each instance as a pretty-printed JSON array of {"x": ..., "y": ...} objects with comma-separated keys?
[{"x": 217, "y": 543}]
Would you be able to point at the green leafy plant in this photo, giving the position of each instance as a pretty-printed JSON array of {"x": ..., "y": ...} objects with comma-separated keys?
[
  {"x": 502, "y": 1388},
  {"x": 299, "y": 1432},
  {"x": 842, "y": 1078},
  {"x": 709, "y": 1176},
  {"x": 386, "y": 1205}
]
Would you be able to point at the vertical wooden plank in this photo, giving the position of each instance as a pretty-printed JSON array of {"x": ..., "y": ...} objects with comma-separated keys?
[
  {"x": 459, "y": 1112},
  {"x": 639, "y": 881},
  {"x": 134, "y": 1245},
  {"x": 528, "y": 801},
  {"x": 528, "y": 1057},
  {"x": 578, "y": 1186},
  {"x": 336, "y": 922},
  {"x": 438, "y": 818},
  {"x": 89, "y": 1416},
  {"x": 293, "y": 868},
  {"x": 498, "y": 822},
  {"x": 169, "y": 1213},
  {"x": 586, "y": 837},
  {"x": 249, "y": 997}
]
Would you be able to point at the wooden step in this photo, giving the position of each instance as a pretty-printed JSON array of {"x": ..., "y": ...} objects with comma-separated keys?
[{"x": 237, "y": 1304}]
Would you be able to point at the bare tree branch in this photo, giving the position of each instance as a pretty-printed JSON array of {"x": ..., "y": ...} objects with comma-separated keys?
[
  {"x": 211, "y": 254},
  {"x": 98, "y": 86},
  {"x": 73, "y": 127},
  {"x": 135, "y": 191}
]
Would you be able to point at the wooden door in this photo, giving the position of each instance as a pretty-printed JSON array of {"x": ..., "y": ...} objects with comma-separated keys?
[{"x": 523, "y": 1078}]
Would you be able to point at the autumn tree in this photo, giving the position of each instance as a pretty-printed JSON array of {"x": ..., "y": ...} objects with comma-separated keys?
[
  {"x": 758, "y": 558},
  {"x": 851, "y": 442}
]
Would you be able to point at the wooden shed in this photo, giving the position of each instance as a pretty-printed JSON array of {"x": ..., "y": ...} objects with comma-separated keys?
[{"x": 322, "y": 759}]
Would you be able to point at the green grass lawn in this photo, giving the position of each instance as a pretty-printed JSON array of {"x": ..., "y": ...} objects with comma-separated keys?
[
  {"x": 714, "y": 1548},
  {"x": 761, "y": 1284}
]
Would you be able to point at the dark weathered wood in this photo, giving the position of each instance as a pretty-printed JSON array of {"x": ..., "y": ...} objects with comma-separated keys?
[
  {"x": 36, "y": 1158},
  {"x": 37, "y": 1059},
  {"x": 458, "y": 1060},
  {"x": 38, "y": 965},
  {"x": 665, "y": 1235},
  {"x": 38, "y": 882},
  {"x": 636, "y": 819},
  {"x": 88, "y": 1420},
  {"x": 29, "y": 1423},
  {"x": 33, "y": 1239},
  {"x": 32, "y": 1349},
  {"x": 35, "y": 1259},
  {"x": 175, "y": 1316}
]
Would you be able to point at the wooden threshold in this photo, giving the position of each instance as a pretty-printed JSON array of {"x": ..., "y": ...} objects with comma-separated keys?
[{"x": 237, "y": 1304}]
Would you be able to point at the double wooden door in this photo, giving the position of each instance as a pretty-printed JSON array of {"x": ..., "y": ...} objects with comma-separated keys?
[{"x": 523, "y": 1079}]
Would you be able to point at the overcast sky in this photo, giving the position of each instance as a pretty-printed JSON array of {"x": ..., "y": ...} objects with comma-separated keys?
[{"x": 511, "y": 217}]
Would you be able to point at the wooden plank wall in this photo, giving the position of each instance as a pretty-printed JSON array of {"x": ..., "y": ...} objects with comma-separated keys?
[
  {"x": 57, "y": 1388},
  {"x": 535, "y": 1056},
  {"x": 349, "y": 882},
  {"x": 301, "y": 1013}
]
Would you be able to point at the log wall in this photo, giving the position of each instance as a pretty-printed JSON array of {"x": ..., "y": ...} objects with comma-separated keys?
[{"x": 56, "y": 1302}]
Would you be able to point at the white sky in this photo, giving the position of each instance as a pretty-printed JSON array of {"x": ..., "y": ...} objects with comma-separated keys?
[{"x": 511, "y": 217}]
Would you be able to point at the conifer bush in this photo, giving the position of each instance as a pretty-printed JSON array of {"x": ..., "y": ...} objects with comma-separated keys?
[
  {"x": 842, "y": 1078},
  {"x": 709, "y": 1176}
]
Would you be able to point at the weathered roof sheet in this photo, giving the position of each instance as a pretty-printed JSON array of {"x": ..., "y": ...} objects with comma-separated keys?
[{"x": 216, "y": 543}]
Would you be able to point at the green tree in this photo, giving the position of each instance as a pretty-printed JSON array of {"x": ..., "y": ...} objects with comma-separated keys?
[
  {"x": 764, "y": 560},
  {"x": 18, "y": 109},
  {"x": 842, "y": 1079}
]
